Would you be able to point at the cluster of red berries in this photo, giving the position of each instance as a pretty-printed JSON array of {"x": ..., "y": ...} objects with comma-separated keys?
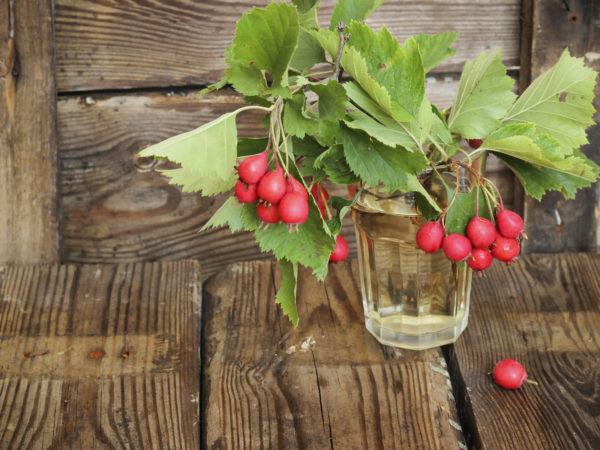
[
  {"x": 483, "y": 241},
  {"x": 279, "y": 199}
]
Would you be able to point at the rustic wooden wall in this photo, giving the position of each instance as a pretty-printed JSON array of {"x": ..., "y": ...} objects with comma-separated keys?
[{"x": 127, "y": 75}]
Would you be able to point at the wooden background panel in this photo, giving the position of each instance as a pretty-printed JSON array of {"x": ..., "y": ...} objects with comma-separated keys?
[
  {"x": 28, "y": 199},
  {"x": 555, "y": 224},
  {"x": 544, "y": 312},
  {"x": 325, "y": 384},
  {"x": 133, "y": 43}
]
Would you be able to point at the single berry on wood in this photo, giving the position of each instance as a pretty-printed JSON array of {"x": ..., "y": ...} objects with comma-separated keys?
[
  {"x": 480, "y": 259},
  {"x": 430, "y": 237},
  {"x": 293, "y": 208},
  {"x": 475, "y": 143},
  {"x": 509, "y": 374},
  {"x": 246, "y": 193},
  {"x": 505, "y": 249},
  {"x": 252, "y": 169},
  {"x": 340, "y": 251},
  {"x": 456, "y": 247},
  {"x": 268, "y": 212},
  {"x": 510, "y": 224},
  {"x": 481, "y": 232},
  {"x": 272, "y": 186}
]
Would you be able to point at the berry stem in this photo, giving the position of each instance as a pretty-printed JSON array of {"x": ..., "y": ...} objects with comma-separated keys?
[
  {"x": 488, "y": 181},
  {"x": 535, "y": 383},
  {"x": 447, "y": 208}
]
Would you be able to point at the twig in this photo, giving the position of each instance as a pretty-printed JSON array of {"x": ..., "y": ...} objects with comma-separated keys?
[{"x": 343, "y": 38}]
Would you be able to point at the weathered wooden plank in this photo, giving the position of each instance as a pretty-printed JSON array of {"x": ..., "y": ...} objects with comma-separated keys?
[
  {"x": 544, "y": 312},
  {"x": 326, "y": 384},
  {"x": 554, "y": 224},
  {"x": 28, "y": 161},
  {"x": 108, "y": 45},
  {"x": 100, "y": 356}
]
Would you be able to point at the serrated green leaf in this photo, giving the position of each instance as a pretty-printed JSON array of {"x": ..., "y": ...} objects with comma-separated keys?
[
  {"x": 305, "y": 6},
  {"x": 333, "y": 163},
  {"x": 307, "y": 54},
  {"x": 213, "y": 87},
  {"x": 375, "y": 163},
  {"x": 435, "y": 48},
  {"x": 246, "y": 79},
  {"x": 463, "y": 210},
  {"x": 425, "y": 208},
  {"x": 295, "y": 122},
  {"x": 230, "y": 214},
  {"x": 251, "y": 146},
  {"x": 332, "y": 100},
  {"x": 391, "y": 134},
  {"x": 306, "y": 147},
  {"x": 250, "y": 220},
  {"x": 347, "y": 10},
  {"x": 286, "y": 295},
  {"x": 538, "y": 180},
  {"x": 342, "y": 206},
  {"x": 484, "y": 95},
  {"x": 191, "y": 181},
  {"x": 520, "y": 140},
  {"x": 266, "y": 39},
  {"x": 559, "y": 102},
  {"x": 356, "y": 66},
  {"x": 208, "y": 151},
  {"x": 398, "y": 69}
]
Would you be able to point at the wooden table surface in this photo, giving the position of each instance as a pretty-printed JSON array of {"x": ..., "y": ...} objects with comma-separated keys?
[{"x": 146, "y": 355}]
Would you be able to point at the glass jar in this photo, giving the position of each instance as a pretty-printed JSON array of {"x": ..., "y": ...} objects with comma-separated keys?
[{"x": 411, "y": 299}]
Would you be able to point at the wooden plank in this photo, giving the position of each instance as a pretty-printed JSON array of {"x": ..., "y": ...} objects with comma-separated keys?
[
  {"x": 28, "y": 199},
  {"x": 110, "y": 45},
  {"x": 100, "y": 356},
  {"x": 554, "y": 224},
  {"x": 544, "y": 312},
  {"x": 326, "y": 384}
]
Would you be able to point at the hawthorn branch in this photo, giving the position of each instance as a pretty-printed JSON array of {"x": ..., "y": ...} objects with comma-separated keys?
[{"x": 343, "y": 39}]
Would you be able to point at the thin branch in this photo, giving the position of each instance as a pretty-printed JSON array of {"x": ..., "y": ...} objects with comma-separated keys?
[{"x": 343, "y": 38}]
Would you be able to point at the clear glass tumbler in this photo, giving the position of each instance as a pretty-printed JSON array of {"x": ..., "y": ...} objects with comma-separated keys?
[{"x": 411, "y": 299}]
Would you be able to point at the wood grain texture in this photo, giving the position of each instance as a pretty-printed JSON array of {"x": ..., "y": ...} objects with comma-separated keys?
[
  {"x": 100, "y": 356},
  {"x": 555, "y": 224},
  {"x": 326, "y": 384},
  {"x": 544, "y": 312},
  {"x": 134, "y": 43},
  {"x": 29, "y": 229}
]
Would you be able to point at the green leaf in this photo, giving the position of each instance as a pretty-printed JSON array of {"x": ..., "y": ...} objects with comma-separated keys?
[
  {"x": 342, "y": 206},
  {"x": 191, "y": 181},
  {"x": 246, "y": 79},
  {"x": 332, "y": 100},
  {"x": 375, "y": 163},
  {"x": 425, "y": 208},
  {"x": 390, "y": 134},
  {"x": 306, "y": 147},
  {"x": 230, "y": 213},
  {"x": 484, "y": 95},
  {"x": 348, "y": 10},
  {"x": 266, "y": 39},
  {"x": 307, "y": 54},
  {"x": 538, "y": 180},
  {"x": 305, "y": 6},
  {"x": 208, "y": 151},
  {"x": 356, "y": 66},
  {"x": 213, "y": 87},
  {"x": 251, "y": 146},
  {"x": 295, "y": 121},
  {"x": 286, "y": 295},
  {"x": 520, "y": 140},
  {"x": 398, "y": 69},
  {"x": 463, "y": 210},
  {"x": 435, "y": 48},
  {"x": 559, "y": 102},
  {"x": 333, "y": 163}
]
